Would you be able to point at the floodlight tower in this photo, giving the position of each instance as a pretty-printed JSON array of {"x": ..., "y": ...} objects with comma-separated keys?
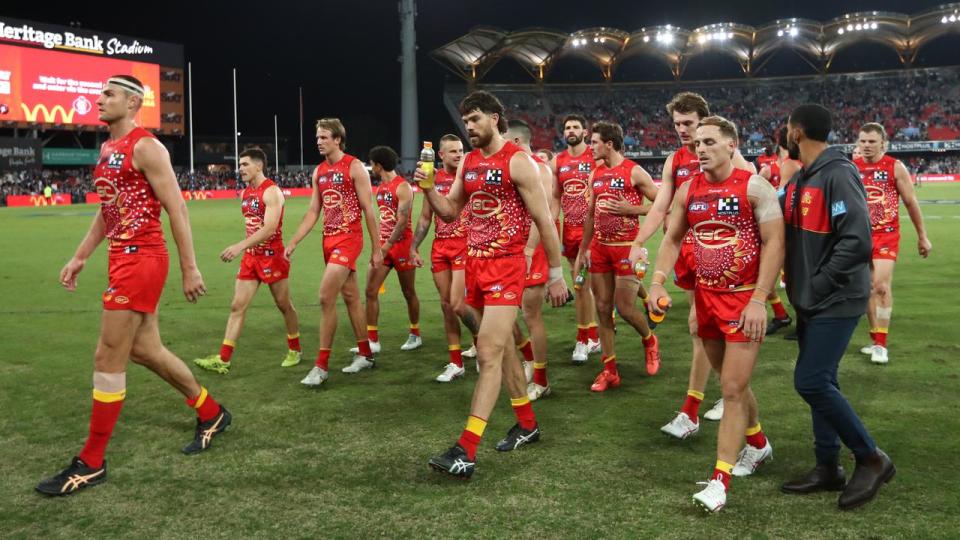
[{"x": 409, "y": 128}]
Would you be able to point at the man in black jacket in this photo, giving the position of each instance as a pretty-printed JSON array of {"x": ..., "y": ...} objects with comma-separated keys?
[{"x": 828, "y": 282}]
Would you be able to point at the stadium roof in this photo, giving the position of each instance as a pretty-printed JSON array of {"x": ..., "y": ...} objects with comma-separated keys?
[{"x": 472, "y": 55}]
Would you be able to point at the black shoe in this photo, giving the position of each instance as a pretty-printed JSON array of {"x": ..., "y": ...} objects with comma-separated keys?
[
  {"x": 206, "y": 431},
  {"x": 517, "y": 437},
  {"x": 870, "y": 474},
  {"x": 776, "y": 324},
  {"x": 792, "y": 336},
  {"x": 454, "y": 462},
  {"x": 820, "y": 478},
  {"x": 74, "y": 478}
]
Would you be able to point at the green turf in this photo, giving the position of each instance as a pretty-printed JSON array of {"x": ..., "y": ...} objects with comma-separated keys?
[{"x": 349, "y": 460}]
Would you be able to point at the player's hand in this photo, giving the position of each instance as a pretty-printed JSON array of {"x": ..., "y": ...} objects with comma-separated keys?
[
  {"x": 376, "y": 257},
  {"x": 231, "y": 253},
  {"x": 620, "y": 207},
  {"x": 583, "y": 258},
  {"x": 68, "y": 276},
  {"x": 193, "y": 287},
  {"x": 415, "y": 259},
  {"x": 288, "y": 251},
  {"x": 753, "y": 320},
  {"x": 654, "y": 295},
  {"x": 637, "y": 253},
  {"x": 924, "y": 246},
  {"x": 418, "y": 174},
  {"x": 557, "y": 293}
]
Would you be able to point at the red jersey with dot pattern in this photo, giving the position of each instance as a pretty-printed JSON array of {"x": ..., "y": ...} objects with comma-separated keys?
[
  {"x": 726, "y": 235},
  {"x": 499, "y": 223},
  {"x": 442, "y": 182},
  {"x": 573, "y": 174},
  {"x": 128, "y": 205},
  {"x": 254, "y": 210},
  {"x": 686, "y": 165},
  {"x": 609, "y": 184},
  {"x": 883, "y": 199},
  {"x": 388, "y": 204},
  {"x": 341, "y": 208}
]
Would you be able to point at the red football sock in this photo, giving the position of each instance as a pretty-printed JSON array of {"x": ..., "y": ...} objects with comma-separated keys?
[
  {"x": 372, "y": 334},
  {"x": 106, "y": 411},
  {"x": 293, "y": 342},
  {"x": 364, "y": 346},
  {"x": 723, "y": 472},
  {"x": 470, "y": 438},
  {"x": 226, "y": 350},
  {"x": 691, "y": 406},
  {"x": 415, "y": 329},
  {"x": 323, "y": 359},
  {"x": 778, "y": 311},
  {"x": 205, "y": 405},
  {"x": 455, "y": 355},
  {"x": 527, "y": 349},
  {"x": 582, "y": 334},
  {"x": 540, "y": 373},
  {"x": 649, "y": 340},
  {"x": 755, "y": 437},
  {"x": 879, "y": 336},
  {"x": 524, "y": 412},
  {"x": 609, "y": 363},
  {"x": 592, "y": 332}
]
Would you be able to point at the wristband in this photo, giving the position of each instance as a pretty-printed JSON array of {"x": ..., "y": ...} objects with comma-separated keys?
[
  {"x": 763, "y": 290},
  {"x": 554, "y": 274},
  {"x": 759, "y": 302},
  {"x": 662, "y": 273}
]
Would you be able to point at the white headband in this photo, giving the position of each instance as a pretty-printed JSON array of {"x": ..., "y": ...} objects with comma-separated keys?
[{"x": 126, "y": 85}]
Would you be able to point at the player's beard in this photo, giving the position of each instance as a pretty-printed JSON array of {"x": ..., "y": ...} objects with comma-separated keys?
[
  {"x": 482, "y": 139},
  {"x": 574, "y": 140},
  {"x": 793, "y": 149}
]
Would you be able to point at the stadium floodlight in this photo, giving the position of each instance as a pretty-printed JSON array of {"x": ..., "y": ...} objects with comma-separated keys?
[
  {"x": 943, "y": 20},
  {"x": 701, "y": 39},
  {"x": 873, "y": 26},
  {"x": 953, "y": 18},
  {"x": 849, "y": 28},
  {"x": 646, "y": 39},
  {"x": 729, "y": 35},
  {"x": 859, "y": 26},
  {"x": 794, "y": 31},
  {"x": 779, "y": 33},
  {"x": 840, "y": 30}
]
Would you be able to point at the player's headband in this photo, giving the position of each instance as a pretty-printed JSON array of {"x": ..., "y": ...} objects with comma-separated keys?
[{"x": 126, "y": 85}]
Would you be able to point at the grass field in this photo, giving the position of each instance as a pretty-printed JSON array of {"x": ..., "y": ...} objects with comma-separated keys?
[{"x": 349, "y": 460}]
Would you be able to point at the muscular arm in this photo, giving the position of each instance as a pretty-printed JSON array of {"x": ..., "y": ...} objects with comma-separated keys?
[
  {"x": 661, "y": 204},
  {"x": 310, "y": 218},
  {"x": 404, "y": 207},
  {"x": 587, "y": 222},
  {"x": 361, "y": 183},
  {"x": 423, "y": 226},
  {"x": 766, "y": 210},
  {"x": 741, "y": 163},
  {"x": 676, "y": 229},
  {"x": 449, "y": 207},
  {"x": 909, "y": 196},
  {"x": 546, "y": 178},
  {"x": 526, "y": 176},
  {"x": 95, "y": 235},
  {"x": 273, "y": 199},
  {"x": 765, "y": 172}
]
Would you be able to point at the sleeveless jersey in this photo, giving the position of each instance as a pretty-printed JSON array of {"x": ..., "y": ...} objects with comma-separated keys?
[
  {"x": 686, "y": 165},
  {"x": 611, "y": 183},
  {"x": 883, "y": 199},
  {"x": 389, "y": 203},
  {"x": 573, "y": 173},
  {"x": 341, "y": 209},
  {"x": 442, "y": 182},
  {"x": 254, "y": 210},
  {"x": 499, "y": 223},
  {"x": 128, "y": 205},
  {"x": 726, "y": 235}
]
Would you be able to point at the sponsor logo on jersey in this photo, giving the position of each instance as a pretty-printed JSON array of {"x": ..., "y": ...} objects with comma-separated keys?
[
  {"x": 728, "y": 205},
  {"x": 115, "y": 161},
  {"x": 493, "y": 177}
]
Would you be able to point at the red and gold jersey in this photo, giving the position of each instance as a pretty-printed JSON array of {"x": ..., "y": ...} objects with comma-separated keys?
[
  {"x": 883, "y": 198},
  {"x": 341, "y": 209},
  {"x": 130, "y": 209},
  {"x": 613, "y": 183},
  {"x": 254, "y": 210},
  {"x": 389, "y": 203},
  {"x": 499, "y": 223},
  {"x": 573, "y": 175},
  {"x": 764, "y": 160},
  {"x": 726, "y": 235},
  {"x": 686, "y": 165},
  {"x": 442, "y": 182}
]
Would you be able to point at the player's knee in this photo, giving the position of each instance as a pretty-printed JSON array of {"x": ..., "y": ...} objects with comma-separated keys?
[
  {"x": 489, "y": 355},
  {"x": 734, "y": 390},
  {"x": 237, "y": 306},
  {"x": 604, "y": 309},
  {"x": 286, "y": 307},
  {"x": 328, "y": 301},
  {"x": 447, "y": 308},
  {"x": 409, "y": 293},
  {"x": 624, "y": 305}
]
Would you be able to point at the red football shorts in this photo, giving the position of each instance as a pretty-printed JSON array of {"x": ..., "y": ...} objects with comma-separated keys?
[
  {"x": 448, "y": 254},
  {"x": 608, "y": 258},
  {"x": 685, "y": 273},
  {"x": 398, "y": 257},
  {"x": 718, "y": 314},
  {"x": 136, "y": 281},
  {"x": 495, "y": 282},
  {"x": 886, "y": 245},
  {"x": 342, "y": 249},
  {"x": 572, "y": 236},
  {"x": 267, "y": 267},
  {"x": 539, "y": 268}
]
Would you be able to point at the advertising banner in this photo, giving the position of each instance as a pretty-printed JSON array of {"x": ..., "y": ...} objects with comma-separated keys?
[
  {"x": 19, "y": 154},
  {"x": 57, "y": 199}
]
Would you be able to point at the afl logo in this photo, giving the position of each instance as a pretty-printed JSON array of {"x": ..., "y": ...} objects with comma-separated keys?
[
  {"x": 875, "y": 195},
  {"x": 484, "y": 205},
  {"x": 574, "y": 187},
  {"x": 715, "y": 234},
  {"x": 331, "y": 198},
  {"x": 107, "y": 190},
  {"x": 698, "y": 206},
  {"x": 82, "y": 105}
]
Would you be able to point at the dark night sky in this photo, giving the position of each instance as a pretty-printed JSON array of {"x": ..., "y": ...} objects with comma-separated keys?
[{"x": 344, "y": 53}]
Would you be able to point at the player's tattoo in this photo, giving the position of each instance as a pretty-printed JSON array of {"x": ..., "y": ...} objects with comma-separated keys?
[
  {"x": 403, "y": 217},
  {"x": 470, "y": 321},
  {"x": 420, "y": 234}
]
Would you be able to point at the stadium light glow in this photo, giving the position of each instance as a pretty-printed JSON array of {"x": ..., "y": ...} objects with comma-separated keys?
[
  {"x": 779, "y": 33},
  {"x": 953, "y": 18},
  {"x": 840, "y": 30},
  {"x": 646, "y": 39},
  {"x": 794, "y": 31}
]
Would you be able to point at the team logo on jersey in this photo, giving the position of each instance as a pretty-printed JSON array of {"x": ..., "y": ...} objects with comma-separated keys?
[
  {"x": 115, "y": 161},
  {"x": 106, "y": 190},
  {"x": 875, "y": 194},
  {"x": 387, "y": 214},
  {"x": 617, "y": 183},
  {"x": 583, "y": 167},
  {"x": 337, "y": 178},
  {"x": 484, "y": 205},
  {"x": 574, "y": 187},
  {"x": 331, "y": 198},
  {"x": 880, "y": 176},
  {"x": 728, "y": 205},
  {"x": 493, "y": 177},
  {"x": 470, "y": 176},
  {"x": 714, "y": 234}
]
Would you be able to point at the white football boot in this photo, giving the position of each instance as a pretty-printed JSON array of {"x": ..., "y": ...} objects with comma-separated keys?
[
  {"x": 716, "y": 412},
  {"x": 681, "y": 427},
  {"x": 316, "y": 377}
]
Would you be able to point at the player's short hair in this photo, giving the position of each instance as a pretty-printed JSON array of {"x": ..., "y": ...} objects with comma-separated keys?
[
  {"x": 336, "y": 129},
  {"x": 574, "y": 118},
  {"x": 782, "y": 137},
  {"x": 689, "y": 102},
  {"x": 727, "y": 128},
  {"x": 609, "y": 132},
  {"x": 873, "y": 127},
  {"x": 522, "y": 129},
  {"x": 547, "y": 152},
  {"x": 449, "y": 137},
  {"x": 815, "y": 120},
  {"x": 255, "y": 153},
  {"x": 384, "y": 156},
  {"x": 487, "y": 103}
]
